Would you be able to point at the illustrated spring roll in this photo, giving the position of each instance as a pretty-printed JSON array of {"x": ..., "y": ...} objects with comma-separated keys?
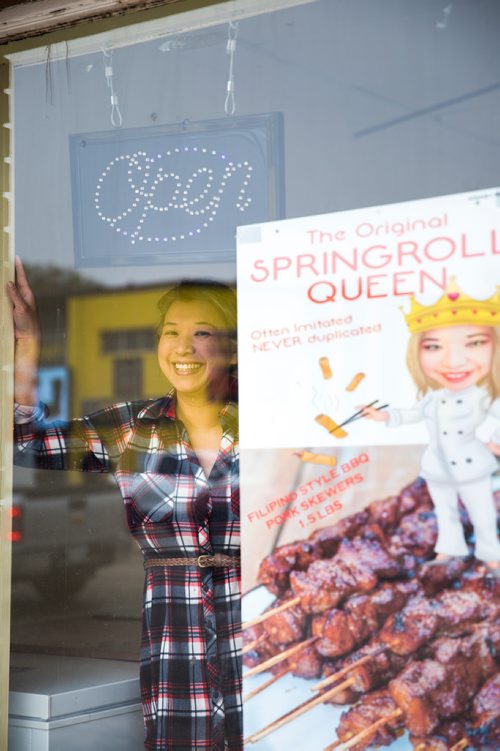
[
  {"x": 330, "y": 425},
  {"x": 355, "y": 381},
  {"x": 328, "y": 460},
  {"x": 324, "y": 364}
]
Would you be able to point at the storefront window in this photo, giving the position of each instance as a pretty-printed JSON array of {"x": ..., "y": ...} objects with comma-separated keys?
[{"x": 136, "y": 156}]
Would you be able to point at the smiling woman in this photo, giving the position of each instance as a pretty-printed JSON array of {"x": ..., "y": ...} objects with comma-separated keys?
[
  {"x": 197, "y": 338},
  {"x": 175, "y": 460},
  {"x": 196, "y": 354}
]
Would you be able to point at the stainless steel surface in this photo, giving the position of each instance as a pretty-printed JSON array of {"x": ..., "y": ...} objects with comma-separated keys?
[
  {"x": 120, "y": 728},
  {"x": 47, "y": 686},
  {"x": 77, "y": 704}
]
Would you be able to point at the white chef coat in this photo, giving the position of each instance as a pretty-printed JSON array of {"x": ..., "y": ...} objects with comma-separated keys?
[
  {"x": 454, "y": 453},
  {"x": 457, "y": 464}
]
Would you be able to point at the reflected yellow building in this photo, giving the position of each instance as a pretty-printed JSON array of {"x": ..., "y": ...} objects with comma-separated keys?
[{"x": 111, "y": 347}]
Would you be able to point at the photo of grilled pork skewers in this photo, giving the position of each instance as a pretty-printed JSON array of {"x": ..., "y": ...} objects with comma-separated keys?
[
  {"x": 479, "y": 728},
  {"x": 339, "y": 630},
  {"x": 321, "y": 582},
  {"x": 394, "y": 590},
  {"x": 461, "y": 611},
  {"x": 357, "y": 567},
  {"x": 275, "y": 569},
  {"x": 459, "y": 678}
]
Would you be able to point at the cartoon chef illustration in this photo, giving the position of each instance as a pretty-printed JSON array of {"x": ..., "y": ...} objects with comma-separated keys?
[{"x": 454, "y": 358}]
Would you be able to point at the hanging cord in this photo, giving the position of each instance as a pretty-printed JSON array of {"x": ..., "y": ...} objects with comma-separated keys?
[
  {"x": 68, "y": 68},
  {"x": 49, "y": 83},
  {"x": 116, "y": 115},
  {"x": 232, "y": 35}
]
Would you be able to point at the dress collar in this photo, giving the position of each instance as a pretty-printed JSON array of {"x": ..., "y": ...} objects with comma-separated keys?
[
  {"x": 162, "y": 407},
  {"x": 165, "y": 407}
]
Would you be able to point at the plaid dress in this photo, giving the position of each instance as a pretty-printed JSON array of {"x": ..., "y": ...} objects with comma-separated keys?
[{"x": 190, "y": 649}]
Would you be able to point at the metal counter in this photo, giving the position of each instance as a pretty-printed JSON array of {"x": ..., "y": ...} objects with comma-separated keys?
[{"x": 61, "y": 703}]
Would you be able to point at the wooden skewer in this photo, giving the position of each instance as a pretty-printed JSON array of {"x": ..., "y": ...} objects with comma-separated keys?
[
  {"x": 304, "y": 707},
  {"x": 251, "y": 645},
  {"x": 460, "y": 745},
  {"x": 366, "y": 732},
  {"x": 268, "y": 613},
  {"x": 266, "y": 684},
  {"x": 278, "y": 658},
  {"x": 457, "y": 747},
  {"x": 347, "y": 669},
  {"x": 333, "y": 746},
  {"x": 374, "y": 727}
]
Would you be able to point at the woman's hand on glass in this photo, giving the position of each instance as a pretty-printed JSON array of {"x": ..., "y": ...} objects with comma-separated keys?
[
  {"x": 27, "y": 334},
  {"x": 24, "y": 310}
]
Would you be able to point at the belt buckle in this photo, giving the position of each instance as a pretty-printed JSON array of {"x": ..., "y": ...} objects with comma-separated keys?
[{"x": 205, "y": 561}]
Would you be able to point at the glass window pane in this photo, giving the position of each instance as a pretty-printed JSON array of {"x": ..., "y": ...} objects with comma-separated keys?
[{"x": 138, "y": 154}]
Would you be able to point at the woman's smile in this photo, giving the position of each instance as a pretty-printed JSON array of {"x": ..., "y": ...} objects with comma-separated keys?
[{"x": 187, "y": 368}]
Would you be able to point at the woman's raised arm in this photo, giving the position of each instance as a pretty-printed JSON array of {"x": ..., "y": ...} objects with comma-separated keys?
[
  {"x": 90, "y": 444},
  {"x": 27, "y": 336}
]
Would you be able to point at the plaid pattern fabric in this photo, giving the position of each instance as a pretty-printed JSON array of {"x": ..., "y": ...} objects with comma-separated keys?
[{"x": 190, "y": 650}]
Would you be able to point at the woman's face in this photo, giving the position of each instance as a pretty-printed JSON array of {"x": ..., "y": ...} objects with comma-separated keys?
[
  {"x": 194, "y": 349},
  {"x": 456, "y": 357}
]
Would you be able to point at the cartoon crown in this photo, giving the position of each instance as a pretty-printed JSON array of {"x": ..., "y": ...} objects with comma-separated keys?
[{"x": 454, "y": 308}]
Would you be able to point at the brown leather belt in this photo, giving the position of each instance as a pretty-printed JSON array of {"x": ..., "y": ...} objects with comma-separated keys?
[{"x": 203, "y": 561}]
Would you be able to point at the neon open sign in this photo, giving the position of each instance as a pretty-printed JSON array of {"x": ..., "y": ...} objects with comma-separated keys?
[{"x": 172, "y": 193}]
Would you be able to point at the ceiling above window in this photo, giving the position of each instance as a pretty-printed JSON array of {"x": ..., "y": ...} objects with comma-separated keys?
[{"x": 20, "y": 19}]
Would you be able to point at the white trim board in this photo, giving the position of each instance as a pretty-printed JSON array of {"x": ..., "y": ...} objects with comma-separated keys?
[{"x": 176, "y": 23}]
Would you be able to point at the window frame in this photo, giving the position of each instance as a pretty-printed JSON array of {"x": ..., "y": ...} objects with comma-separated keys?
[{"x": 75, "y": 31}]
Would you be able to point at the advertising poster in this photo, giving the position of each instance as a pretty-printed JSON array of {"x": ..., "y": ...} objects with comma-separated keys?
[{"x": 370, "y": 434}]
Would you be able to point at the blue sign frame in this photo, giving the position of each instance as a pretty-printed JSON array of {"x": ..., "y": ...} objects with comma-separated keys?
[
  {"x": 53, "y": 389},
  {"x": 174, "y": 193}
]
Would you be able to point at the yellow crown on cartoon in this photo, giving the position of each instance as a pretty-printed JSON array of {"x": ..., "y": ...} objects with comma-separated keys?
[{"x": 454, "y": 308}]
